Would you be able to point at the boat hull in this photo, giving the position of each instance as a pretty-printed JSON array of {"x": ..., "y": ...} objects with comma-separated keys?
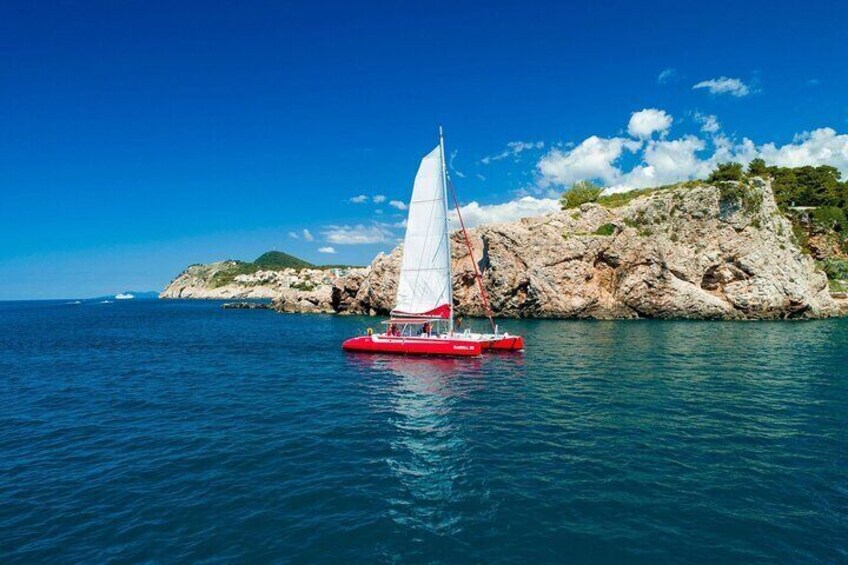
[
  {"x": 443, "y": 347},
  {"x": 506, "y": 343}
]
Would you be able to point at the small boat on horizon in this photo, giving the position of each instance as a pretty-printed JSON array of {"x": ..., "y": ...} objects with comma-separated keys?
[
  {"x": 124, "y": 296},
  {"x": 422, "y": 321}
]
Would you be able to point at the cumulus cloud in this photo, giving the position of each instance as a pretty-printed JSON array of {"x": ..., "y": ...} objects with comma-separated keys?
[
  {"x": 307, "y": 235},
  {"x": 594, "y": 158},
  {"x": 666, "y": 76},
  {"x": 361, "y": 199},
  {"x": 513, "y": 148},
  {"x": 724, "y": 85},
  {"x": 822, "y": 146},
  {"x": 378, "y": 199},
  {"x": 644, "y": 123},
  {"x": 359, "y": 234},
  {"x": 398, "y": 204},
  {"x": 293, "y": 235},
  {"x": 473, "y": 214},
  {"x": 665, "y": 161},
  {"x": 327, "y": 249}
]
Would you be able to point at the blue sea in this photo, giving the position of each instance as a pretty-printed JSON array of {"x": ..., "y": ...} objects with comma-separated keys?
[{"x": 176, "y": 431}]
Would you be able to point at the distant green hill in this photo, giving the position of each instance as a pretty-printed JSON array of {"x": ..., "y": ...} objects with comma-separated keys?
[{"x": 280, "y": 260}]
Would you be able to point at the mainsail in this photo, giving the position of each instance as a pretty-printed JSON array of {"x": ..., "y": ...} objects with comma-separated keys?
[{"x": 424, "y": 288}]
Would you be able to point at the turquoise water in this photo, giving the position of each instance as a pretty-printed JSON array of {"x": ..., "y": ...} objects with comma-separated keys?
[{"x": 178, "y": 431}]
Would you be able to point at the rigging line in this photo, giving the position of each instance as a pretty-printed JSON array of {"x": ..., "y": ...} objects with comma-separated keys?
[{"x": 477, "y": 274}]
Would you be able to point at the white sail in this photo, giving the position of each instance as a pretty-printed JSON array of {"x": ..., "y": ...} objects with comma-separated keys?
[{"x": 424, "y": 287}]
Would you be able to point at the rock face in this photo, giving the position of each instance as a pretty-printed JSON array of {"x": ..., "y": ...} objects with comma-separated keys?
[{"x": 701, "y": 252}]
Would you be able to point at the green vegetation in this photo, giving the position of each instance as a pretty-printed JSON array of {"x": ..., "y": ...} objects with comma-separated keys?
[
  {"x": 809, "y": 186},
  {"x": 272, "y": 261},
  {"x": 280, "y": 260},
  {"x": 740, "y": 191},
  {"x": 836, "y": 269},
  {"x": 727, "y": 172},
  {"x": 580, "y": 192},
  {"x": 606, "y": 229},
  {"x": 302, "y": 285},
  {"x": 618, "y": 199},
  {"x": 830, "y": 217}
]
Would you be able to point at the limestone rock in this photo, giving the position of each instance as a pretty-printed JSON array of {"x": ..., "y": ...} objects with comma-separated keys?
[{"x": 685, "y": 252}]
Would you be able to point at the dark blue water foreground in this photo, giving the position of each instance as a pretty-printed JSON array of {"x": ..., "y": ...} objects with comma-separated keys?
[{"x": 178, "y": 431}]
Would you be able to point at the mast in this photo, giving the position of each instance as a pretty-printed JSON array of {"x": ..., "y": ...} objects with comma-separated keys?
[{"x": 447, "y": 226}]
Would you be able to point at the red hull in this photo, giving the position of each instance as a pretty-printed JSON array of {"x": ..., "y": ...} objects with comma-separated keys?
[
  {"x": 413, "y": 346},
  {"x": 510, "y": 343}
]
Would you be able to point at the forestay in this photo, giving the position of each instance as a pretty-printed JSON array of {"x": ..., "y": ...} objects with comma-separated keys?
[{"x": 424, "y": 287}]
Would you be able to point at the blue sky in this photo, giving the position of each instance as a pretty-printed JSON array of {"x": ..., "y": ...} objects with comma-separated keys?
[{"x": 139, "y": 137}]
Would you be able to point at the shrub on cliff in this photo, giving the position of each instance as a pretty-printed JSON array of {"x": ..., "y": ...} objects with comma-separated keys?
[
  {"x": 727, "y": 172},
  {"x": 836, "y": 269},
  {"x": 830, "y": 217},
  {"x": 580, "y": 192}
]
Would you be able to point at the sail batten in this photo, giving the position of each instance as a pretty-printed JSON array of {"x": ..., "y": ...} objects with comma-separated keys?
[{"x": 424, "y": 286}]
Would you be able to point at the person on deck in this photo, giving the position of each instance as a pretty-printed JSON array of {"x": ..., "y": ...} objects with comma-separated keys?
[{"x": 427, "y": 329}]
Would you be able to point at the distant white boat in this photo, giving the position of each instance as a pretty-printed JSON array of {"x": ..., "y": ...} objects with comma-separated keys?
[{"x": 124, "y": 296}]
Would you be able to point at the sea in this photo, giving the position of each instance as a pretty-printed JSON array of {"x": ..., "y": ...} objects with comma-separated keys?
[{"x": 177, "y": 431}]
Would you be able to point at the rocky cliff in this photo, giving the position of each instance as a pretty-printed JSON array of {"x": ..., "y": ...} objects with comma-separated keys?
[{"x": 688, "y": 251}]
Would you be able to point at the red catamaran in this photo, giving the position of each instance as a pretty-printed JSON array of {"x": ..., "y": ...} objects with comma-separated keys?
[{"x": 422, "y": 322}]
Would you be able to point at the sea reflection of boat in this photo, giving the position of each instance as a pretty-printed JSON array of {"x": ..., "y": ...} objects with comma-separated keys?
[
  {"x": 424, "y": 368},
  {"x": 429, "y": 449}
]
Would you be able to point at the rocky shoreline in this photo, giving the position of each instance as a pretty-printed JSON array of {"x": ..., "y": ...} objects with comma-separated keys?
[{"x": 693, "y": 251}]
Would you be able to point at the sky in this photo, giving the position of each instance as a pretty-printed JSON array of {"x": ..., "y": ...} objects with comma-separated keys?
[{"x": 137, "y": 138}]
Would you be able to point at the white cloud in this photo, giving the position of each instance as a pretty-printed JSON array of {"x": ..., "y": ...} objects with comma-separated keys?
[
  {"x": 378, "y": 199},
  {"x": 665, "y": 161},
  {"x": 307, "y": 235},
  {"x": 513, "y": 148},
  {"x": 398, "y": 204},
  {"x": 709, "y": 122},
  {"x": 327, "y": 249},
  {"x": 359, "y": 234},
  {"x": 361, "y": 199},
  {"x": 644, "y": 123},
  {"x": 594, "y": 158},
  {"x": 822, "y": 146},
  {"x": 666, "y": 76},
  {"x": 293, "y": 235},
  {"x": 473, "y": 214},
  {"x": 725, "y": 85},
  {"x": 457, "y": 172}
]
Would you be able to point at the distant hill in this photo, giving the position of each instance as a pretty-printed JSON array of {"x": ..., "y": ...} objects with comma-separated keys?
[{"x": 280, "y": 260}]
